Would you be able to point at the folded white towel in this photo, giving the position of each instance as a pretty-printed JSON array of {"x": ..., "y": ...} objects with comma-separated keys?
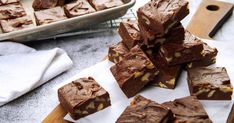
[{"x": 22, "y": 68}]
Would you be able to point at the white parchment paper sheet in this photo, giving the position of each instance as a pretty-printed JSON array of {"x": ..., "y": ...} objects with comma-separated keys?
[{"x": 217, "y": 110}]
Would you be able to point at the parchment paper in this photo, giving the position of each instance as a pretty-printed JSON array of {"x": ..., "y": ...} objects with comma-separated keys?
[{"x": 218, "y": 111}]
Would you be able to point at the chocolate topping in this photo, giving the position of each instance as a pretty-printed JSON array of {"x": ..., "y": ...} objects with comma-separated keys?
[
  {"x": 143, "y": 110},
  {"x": 134, "y": 61},
  {"x": 130, "y": 33},
  {"x": 208, "y": 75},
  {"x": 50, "y": 15},
  {"x": 78, "y": 7},
  {"x": 46, "y": 4},
  {"x": 11, "y": 11},
  {"x": 161, "y": 15},
  {"x": 85, "y": 88},
  {"x": 188, "y": 109},
  {"x": 16, "y": 24},
  {"x": 105, "y": 4}
]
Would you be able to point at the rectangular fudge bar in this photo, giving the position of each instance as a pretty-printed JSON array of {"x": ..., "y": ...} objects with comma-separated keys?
[
  {"x": 134, "y": 71},
  {"x": 178, "y": 53},
  {"x": 83, "y": 97},
  {"x": 209, "y": 57},
  {"x": 49, "y": 15},
  {"x": 46, "y": 4},
  {"x": 130, "y": 33},
  {"x": 4, "y": 2},
  {"x": 161, "y": 15},
  {"x": 188, "y": 110},
  {"x": 11, "y": 11},
  {"x": 168, "y": 75},
  {"x": 105, "y": 4},
  {"x": 152, "y": 38},
  {"x": 78, "y": 8},
  {"x": 16, "y": 24},
  {"x": 210, "y": 83},
  {"x": 143, "y": 110},
  {"x": 117, "y": 52}
]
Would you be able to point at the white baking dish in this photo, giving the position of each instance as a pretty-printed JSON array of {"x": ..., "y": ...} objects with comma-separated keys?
[{"x": 43, "y": 31}]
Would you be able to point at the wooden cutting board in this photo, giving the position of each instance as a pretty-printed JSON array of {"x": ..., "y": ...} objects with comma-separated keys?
[{"x": 209, "y": 17}]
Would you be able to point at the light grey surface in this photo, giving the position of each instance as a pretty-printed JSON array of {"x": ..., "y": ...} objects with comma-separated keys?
[{"x": 85, "y": 51}]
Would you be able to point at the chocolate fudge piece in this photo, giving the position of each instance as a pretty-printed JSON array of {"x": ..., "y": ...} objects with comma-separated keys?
[
  {"x": 134, "y": 71},
  {"x": 188, "y": 110},
  {"x": 178, "y": 53},
  {"x": 49, "y": 15},
  {"x": 117, "y": 52},
  {"x": 130, "y": 33},
  {"x": 210, "y": 83},
  {"x": 168, "y": 75},
  {"x": 161, "y": 15},
  {"x": 209, "y": 57},
  {"x": 83, "y": 97},
  {"x": 16, "y": 24},
  {"x": 4, "y": 2},
  {"x": 11, "y": 11},
  {"x": 77, "y": 8},
  {"x": 152, "y": 38},
  {"x": 143, "y": 110},
  {"x": 46, "y": 4},
  {"x": 105, "y": 4}
]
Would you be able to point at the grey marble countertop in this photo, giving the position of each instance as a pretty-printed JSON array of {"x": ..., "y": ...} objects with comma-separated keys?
[{"x": 85, "y": 51}]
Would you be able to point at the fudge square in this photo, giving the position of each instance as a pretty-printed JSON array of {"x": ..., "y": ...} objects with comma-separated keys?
[
  {"x": 77, "y": 8},
  {"x": 4, "y": 2},
  {"x": 188, "y": 110},
  {"x": 178, "y": 53},
  {"x": 168, "y": 75},
  {"x": 16, "y": 24},
  {"x": 83, "y": 97},
  {"x": 49, "y": 15},
  {"x": 152, "y": 38},
  {"x": 209, "y": 57},
  {"x": 210, "y": 83},
  {"x": 117, "y": 52},
  {"x": 11, "y": 11},
  {"x": 130, "y": 33},
  {"x": 143, "y": 110},
  {"x": 161, "y": 15},
  {"x": 134, "y": 71},
  {"x": 46, "y": 4},
  {"x": 105, "y": 4}
]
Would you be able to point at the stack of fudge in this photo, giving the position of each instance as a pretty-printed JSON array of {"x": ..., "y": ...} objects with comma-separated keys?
[
  {"x": 153, "y": 51},
  {"x": 156, "y": 48},
  {"x": 13, "y": 16}
]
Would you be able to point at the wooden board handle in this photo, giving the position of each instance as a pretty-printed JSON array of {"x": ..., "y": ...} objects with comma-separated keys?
[
  {"x": 56, "y": 116},
  {"x": 209, "y": 17},
  {"x": 231, "y": 115}
]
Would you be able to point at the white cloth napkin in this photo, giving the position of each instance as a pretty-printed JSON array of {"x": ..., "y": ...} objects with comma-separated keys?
[{"x": 22, "y": 68}]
